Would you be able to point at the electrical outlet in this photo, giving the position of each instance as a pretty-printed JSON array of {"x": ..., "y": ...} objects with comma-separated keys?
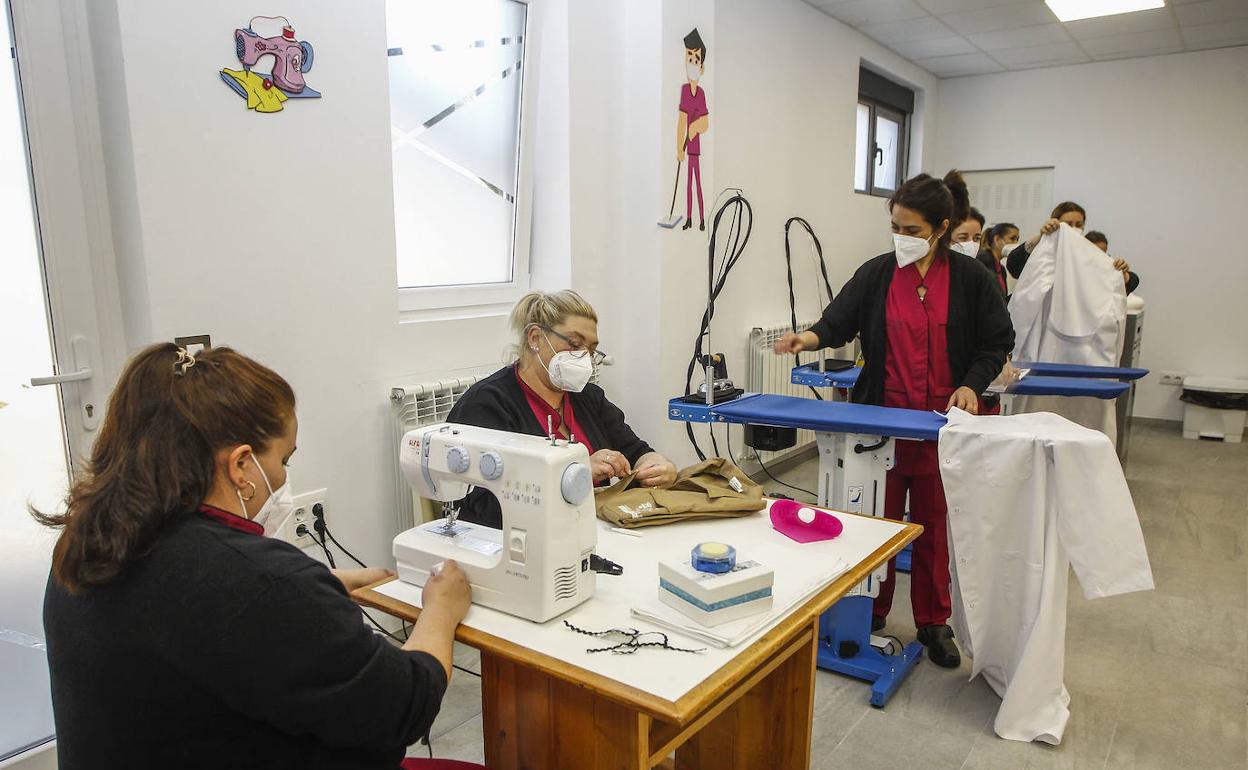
[
  {"x": 303, "y": 515},
  {"x": 1172, "y": 378}
]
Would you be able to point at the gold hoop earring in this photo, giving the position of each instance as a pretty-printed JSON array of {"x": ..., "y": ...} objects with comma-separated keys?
[{"x": 253, "y": 493}]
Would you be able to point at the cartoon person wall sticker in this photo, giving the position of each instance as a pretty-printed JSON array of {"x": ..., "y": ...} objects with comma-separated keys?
[{"x": 692, "y": 123}]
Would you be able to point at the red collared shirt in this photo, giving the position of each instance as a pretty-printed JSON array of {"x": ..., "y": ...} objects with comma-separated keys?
[
  {"x": 231, "y": 520},
  {"x": 542, "y": 411}
]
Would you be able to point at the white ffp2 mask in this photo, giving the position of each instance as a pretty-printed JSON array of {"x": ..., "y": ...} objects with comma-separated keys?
[
  {"x": 568, "y": 372},
  {"x": 277, "y": 509},
  {"x": 1006, "y": 248},
  {"x": 969, "y": 248},
  {"x": 910, "y": 249}
]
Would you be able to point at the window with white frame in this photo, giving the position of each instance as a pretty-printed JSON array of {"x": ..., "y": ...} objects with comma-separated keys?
[
  {"x": 460, "y": 143},
  {"x": 882, "y": 139}
]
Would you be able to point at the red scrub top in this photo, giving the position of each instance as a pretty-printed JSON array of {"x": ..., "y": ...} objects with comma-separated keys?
[
  {"x": 543, "y": 410},
  {"x": 916, "y": 369}
]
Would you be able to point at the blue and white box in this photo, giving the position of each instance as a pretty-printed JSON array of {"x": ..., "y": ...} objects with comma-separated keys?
[{"x": 713, "y": 599}]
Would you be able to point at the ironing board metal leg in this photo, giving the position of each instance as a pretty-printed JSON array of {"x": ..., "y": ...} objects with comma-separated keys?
[{"x": 845, "y": 647}]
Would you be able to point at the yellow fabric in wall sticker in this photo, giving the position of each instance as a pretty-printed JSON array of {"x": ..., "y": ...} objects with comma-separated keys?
[{"x": 259, "y": 98}]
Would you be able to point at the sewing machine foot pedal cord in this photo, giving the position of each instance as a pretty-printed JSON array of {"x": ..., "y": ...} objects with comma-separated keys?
[{"x": 845, "y": 647}]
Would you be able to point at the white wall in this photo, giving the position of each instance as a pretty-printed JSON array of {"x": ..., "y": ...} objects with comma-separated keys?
[
  {"x": 273, "y": 233},
  {"x": 782, "y": 81},
  {"x": 1154, "y": 149}
]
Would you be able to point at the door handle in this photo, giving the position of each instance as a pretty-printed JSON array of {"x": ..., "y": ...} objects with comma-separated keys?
[
  {"x": 57, "y": 379},
  {"x": 80, "y": 351}
]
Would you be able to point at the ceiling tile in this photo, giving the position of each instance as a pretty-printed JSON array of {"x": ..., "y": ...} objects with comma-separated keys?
[
  {"x": 957, "y": 66},
  {"x": 1204, "y": 35},
  {"x": 859, "y": 13},
  {"x": 1226, "y": 43},
  {"x": 1080, "y": 59},
  {"x": 1121, "y": 24},
  {"x": 1021, "y": 37},
  {"x": 1135, "y": 54},
  {"x": 1211, "y": 12},
  {"x": 927, "y": 49},
  {"x": 1136, "y": 41},
  {"x": 954, "y": 6},
  {"x": 1040, "y": 54},
  {"x": 926, "y": 28},
  {"x": 1003, "y": 17}
]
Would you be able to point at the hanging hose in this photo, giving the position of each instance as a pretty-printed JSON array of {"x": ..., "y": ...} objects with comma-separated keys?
[
  {"x": 740, "y": 223},
  {"x": 788, "y": 266}
]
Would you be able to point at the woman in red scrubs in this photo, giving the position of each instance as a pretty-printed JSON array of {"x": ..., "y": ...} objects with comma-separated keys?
[{"x": 935, "y": 333}]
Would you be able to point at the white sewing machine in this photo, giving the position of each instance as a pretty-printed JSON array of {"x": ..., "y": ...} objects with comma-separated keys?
[{"x": 538, "y": 565}]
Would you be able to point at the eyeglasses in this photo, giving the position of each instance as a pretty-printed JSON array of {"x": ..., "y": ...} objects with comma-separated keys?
[{"x": 596, "y": 356}]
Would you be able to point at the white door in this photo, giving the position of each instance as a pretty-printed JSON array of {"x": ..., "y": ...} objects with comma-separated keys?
[{"x": 53, "y": 377}]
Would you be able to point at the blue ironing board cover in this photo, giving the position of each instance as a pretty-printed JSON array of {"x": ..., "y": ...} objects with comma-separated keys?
[
  {"x": 809, "y": 374},
  {"x": 1081, "y": 370},
  {"x": 1031, "y": 385},
  {"x": 809, "y": 414}
]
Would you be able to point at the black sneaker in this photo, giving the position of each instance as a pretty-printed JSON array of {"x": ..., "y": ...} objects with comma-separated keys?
[
  {"x": 702, "y": 225},
  {"x": 688, "y": 224},
  {"x": 877, "y": 623},
  {"x": 940, "y": 646}
]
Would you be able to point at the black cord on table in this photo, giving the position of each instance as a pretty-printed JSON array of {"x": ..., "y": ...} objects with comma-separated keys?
[{"x": 763, "y": 465}]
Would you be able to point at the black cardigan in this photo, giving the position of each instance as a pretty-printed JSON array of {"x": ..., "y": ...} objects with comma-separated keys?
[
  {"x": 979, "y": 336},
  {"x": 222, "y": 648},
  {"x": 986, "y": 259},
  {"x": 498, "y": 402},
  {"x": 1017, "y": 260}
]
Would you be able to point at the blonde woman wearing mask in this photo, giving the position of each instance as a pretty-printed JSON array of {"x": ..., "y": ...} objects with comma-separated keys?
[{"x": 548, "y": 385}]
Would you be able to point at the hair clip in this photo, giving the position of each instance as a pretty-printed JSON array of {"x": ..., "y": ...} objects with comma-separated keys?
[{"x": 185, "y": 361}]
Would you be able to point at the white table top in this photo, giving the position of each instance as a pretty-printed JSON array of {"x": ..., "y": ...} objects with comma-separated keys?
[{"x": 664, "y": 673}]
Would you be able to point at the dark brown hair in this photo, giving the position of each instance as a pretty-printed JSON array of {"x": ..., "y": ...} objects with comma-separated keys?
[
  {"x": 975, "y": 214},
  {"x": 1096, "y": 236},
  {"x": 935, "y": 200},
  {"x": 153, "y": 462},
  {"x": 1000, "y": 228},
  {"x": 1065, "y": 207}
]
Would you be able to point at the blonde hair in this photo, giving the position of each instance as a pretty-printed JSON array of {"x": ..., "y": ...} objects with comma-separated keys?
[{"x": 548, "y": 310}]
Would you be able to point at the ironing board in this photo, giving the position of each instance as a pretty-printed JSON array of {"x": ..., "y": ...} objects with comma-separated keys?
[{"x": 1052, "y": 380}]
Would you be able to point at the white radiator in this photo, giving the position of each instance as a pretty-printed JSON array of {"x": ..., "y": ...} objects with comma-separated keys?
[
  {"x": 770, "y": 373},
  {"x": 412, "y": 406}
]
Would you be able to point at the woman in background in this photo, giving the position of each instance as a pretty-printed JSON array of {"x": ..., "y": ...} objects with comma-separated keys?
[{"x": 999, "y": 241}]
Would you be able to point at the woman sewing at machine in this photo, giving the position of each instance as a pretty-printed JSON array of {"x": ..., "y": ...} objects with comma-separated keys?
[
  {"x": 548, "y": 388},
  {"x": 181, "y": 634},
  {"x": 935, "y": 333}
]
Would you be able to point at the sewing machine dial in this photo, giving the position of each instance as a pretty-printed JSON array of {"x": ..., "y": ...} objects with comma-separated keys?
[
  {"x": 458, "y": 459},
  {"x": 491, "y": 465},
  {"x": 577, "y": 483}
]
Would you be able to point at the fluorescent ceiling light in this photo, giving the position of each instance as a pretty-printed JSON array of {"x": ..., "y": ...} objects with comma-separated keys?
[{"x": 1073, "y": 10}]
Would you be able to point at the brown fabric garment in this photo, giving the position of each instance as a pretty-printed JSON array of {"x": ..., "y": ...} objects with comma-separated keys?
[{"x": 702, "y": 491}]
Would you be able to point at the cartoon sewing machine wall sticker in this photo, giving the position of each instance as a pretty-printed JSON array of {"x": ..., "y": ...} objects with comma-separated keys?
[{"x": 290, "y": 57}]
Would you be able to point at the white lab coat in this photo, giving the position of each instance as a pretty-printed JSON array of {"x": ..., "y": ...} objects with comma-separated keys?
[
  {"x": 1069, "y": 307},
  {"x": 1029, "y": 496}
]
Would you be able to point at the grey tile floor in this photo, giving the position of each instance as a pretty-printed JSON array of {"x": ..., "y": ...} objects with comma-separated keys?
[{"x": 1157, "y": 679}]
